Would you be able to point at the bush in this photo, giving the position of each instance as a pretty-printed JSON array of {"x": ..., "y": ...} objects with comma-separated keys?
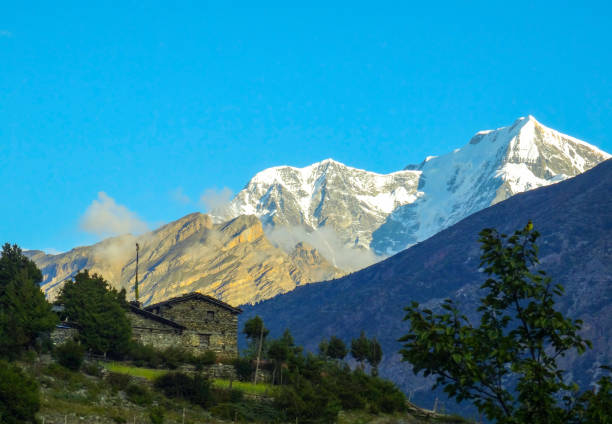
[
  {"x": 70, "y": 355},
  {"x": 93, "y": 369},
  {"x": 118, "y": 381},
  {"x": 207, "y": 358},
  {"x": 156, "y": 415},
  {"x": 244, "y": 369},
  {"x": 58, "y": 371},
  {"x": 138, "y": 394},
  {"x": 248, "y": 411},
  {"x": 227, "y": 395},
  {"x": 145, "y": 355},
  {"x": 19, "y": 396},
  {"x": 175, "y": 356},
  {"x": 194, "y": 389}
]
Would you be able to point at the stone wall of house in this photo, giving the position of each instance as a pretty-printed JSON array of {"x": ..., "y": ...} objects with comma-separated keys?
[
  {"x": 154, "y": 333},
  {"x": 61, "y": 335},
  {"x": 205, "y": 320}
]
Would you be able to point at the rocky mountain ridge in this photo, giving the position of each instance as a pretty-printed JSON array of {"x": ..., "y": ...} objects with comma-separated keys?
[{"x": 232, "y": 261}]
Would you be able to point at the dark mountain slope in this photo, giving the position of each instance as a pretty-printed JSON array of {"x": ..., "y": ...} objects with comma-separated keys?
[{"x": 575, "y": 220}]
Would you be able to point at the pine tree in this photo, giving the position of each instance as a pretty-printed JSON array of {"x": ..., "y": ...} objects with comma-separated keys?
[
  {"x": 360, "y": 348},
  {"x": 100, "y": 310},
  {"x": 25, "y": 314}
]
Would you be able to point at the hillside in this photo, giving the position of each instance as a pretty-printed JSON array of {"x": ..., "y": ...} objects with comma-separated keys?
[{"x": 574, "y": 218}]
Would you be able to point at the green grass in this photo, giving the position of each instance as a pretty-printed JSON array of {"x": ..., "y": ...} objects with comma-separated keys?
[
  {"x": 255, "y": 389},
  {"x": 148, "y": 373},
  {"x": 151, "y": 374}
]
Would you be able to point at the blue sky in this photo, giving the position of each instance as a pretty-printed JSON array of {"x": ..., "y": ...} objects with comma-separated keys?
[{"x": 154, "y": 105}]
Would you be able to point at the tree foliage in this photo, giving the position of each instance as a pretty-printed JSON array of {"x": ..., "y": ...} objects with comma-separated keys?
[
  {"x": 24, "y": 312},
  {"x": 19, "y": 395},
  {"x": 317, "y": 388},
  {"x": 254, "y": 328},
  {"x": 374, "y": 355},
  {"x": 333, "y": 348},
  {"x": 101, "y": 312},
  {"x": 360, "y": 348},
  {"x": 506, "y": 365},
  {"x": 367, "y": 350}
]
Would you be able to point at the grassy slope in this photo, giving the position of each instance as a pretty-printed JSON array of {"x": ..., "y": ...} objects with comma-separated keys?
[{"x": 80, "y": 398}]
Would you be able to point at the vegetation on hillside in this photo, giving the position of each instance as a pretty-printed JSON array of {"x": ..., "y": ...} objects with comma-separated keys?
[{"x": 508, "y": 364}]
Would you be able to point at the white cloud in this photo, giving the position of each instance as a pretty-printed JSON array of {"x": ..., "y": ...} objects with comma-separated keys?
[
  {"x": 215, "y": 200},
  {"x": 327, "y": 242},
  {"x": 104, "y": 217},
  {"x": 179, "y": 196}
]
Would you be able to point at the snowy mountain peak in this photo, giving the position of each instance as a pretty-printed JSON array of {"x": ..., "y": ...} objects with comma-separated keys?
[{"x": 387, "y": 212}]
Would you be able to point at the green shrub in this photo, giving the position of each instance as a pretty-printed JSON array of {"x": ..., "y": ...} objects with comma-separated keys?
[
  {"x": 58, "y": 371},
  {"x": 156, "y": 415},
  {"x": 175, "y": 356},
  {"x": 244, "y": 369},
  {"x": 138, "y": 394},
  {"x": 118, "y": 381},
  {"x": 93, "y": 369},
  {"x": 227, "y": 395},
  {"x": 145, "y": 355},
  {"x": 119, "y": 419},
  {"x": 19, "y": 396},
  {"x": 194, "y": 389},
  {"x": 207, "y": 358},
  {"x": 249, "y": 411},
  {"x": 70, "y": 355}
]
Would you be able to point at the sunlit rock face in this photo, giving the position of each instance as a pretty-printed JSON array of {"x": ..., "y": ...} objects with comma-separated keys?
[{"x": 232, "y": 261}]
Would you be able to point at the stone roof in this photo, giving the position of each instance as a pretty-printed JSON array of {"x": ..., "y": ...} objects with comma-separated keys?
[
  {"x": 154, "y": 317},
  {"x": 196, "y": 296}
]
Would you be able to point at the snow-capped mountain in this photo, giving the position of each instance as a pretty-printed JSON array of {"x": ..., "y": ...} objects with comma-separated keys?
[
  {"x": 386, "y": 213},
  {"x": 326, "y": 194}
]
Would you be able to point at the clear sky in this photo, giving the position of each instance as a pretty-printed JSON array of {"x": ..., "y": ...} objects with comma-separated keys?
[{"x": 154, "y": 104}]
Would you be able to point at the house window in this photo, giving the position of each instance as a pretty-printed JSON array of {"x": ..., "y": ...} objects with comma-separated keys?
[
  {"x": 204, "y": 339},
  {"x": 210, "y": 315}
]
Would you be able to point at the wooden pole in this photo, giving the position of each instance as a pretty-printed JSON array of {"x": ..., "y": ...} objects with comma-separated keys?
[
  {"x": 258, "y": 354},
  {"x": 136, "y": 283}
]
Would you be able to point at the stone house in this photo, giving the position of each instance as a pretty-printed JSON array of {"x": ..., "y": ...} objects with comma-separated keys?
[{"x": 194, "y": 321}]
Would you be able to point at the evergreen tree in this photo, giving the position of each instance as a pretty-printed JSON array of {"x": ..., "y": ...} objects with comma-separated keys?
[
  {"x": 374, "y": 356},
  {"x": 25, "y": 314},
  {"x": 101, "y": 312},
  {"x": 360, "y": 348},
  {"x": 334, "y": 348}
]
